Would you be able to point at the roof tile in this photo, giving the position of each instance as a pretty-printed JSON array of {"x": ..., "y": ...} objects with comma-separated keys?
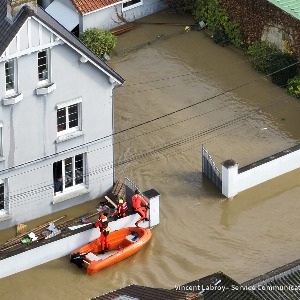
[
  {"x": 86, "y": 6},
  {"x": 144, "y": 293}
]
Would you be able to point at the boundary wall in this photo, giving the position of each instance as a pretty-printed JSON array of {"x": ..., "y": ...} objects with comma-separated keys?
[{"x": 235, "y": 179}]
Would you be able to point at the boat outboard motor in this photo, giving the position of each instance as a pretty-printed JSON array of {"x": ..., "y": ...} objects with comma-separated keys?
[{"x": 77, "y": 259}]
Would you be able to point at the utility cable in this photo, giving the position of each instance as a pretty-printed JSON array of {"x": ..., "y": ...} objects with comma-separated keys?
[{"x": 138, "y": 125}]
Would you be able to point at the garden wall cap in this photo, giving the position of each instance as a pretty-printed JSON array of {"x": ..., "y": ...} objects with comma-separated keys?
[{"x": 229, "y": 163}]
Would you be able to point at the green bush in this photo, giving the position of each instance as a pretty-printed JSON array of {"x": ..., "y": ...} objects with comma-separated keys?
[
  {"x": 216, "y": 18},
  {"x": 293, "y": 87},
  {"x": 261, "y": 54},
  {"x": 220, "y": 37},
  {"x": 181, "y": 6},
  {"x": 98, "y": 40},
  {"x": 283, "y": 67}
]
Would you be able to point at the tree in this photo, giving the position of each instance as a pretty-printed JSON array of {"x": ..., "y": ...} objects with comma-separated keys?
[{"x": 98, "y": 40}]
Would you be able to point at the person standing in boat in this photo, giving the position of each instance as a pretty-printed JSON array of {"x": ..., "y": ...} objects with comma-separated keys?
[
  {"x": 140, "y": 205},
  {"x": 102, "y": 223},
  {"x": 121, "y": 209}
]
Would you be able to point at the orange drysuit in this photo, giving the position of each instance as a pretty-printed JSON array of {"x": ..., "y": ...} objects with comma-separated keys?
[
  {"x": 102, "y": 223},
  {"x": 137, "y": 201}
]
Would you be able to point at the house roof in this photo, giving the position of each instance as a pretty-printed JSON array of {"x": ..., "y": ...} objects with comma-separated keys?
[
  {"x": 282, "y": 283},
  {"x": 136, "y": 292},
  {"x": 219, "y": 286},
  {"x": 292, "y": 7},
  {"x": 87, "y": 6},
  {"x": 8, "y": 31}
]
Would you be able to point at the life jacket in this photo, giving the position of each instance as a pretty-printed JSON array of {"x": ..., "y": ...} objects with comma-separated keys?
[
  {"x": 122, "y": 207},
  {"x": 102, "y": 222},
  {"x": 106, "y": 230}
]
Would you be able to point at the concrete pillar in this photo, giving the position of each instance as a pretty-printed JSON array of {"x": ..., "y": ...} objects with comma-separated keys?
[
  {"x": 229, "y": 178},
  {"x": 153, "y": 197}
]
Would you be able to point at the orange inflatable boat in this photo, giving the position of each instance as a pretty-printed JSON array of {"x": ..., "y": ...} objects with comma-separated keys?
[{"x": 121, "y": 244}]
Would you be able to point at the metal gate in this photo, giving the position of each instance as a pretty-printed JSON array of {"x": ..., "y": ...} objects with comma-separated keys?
[
  {"x": 210, "y": 169},
  {"x": 130, "y": 188}
]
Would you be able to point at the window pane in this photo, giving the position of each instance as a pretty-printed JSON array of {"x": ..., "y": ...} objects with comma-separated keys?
[
  {"x": 79, "y": 168},
  {"x": 61, "y": 119},
  {"x": 57, "y": 177},
  {"x": 42, "y": 65},
  {"x": 73, "y": 115},
  {"x": 2, "y": 196},
  {"x": 9, "y": 75},
  {"x": 132, "y": 2},
  {"x": 68, "y": 172}
]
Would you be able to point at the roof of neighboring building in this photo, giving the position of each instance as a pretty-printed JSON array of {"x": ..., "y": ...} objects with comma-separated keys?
[
  {"x": 282, "y": 283},
  {"x": 292, "y": 7},
  {"x": 87, "y": 6},
  {"x": 137, "y": 292},
  {"x": 219, "y": 286},
  {"x": 8, "y": 31},
  {"x": 65, "y": 15}
]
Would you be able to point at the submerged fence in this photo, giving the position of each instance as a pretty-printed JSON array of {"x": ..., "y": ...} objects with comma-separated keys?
[
  {"x": 210, "y": 169},
  {"x": 130, "y": 188}
]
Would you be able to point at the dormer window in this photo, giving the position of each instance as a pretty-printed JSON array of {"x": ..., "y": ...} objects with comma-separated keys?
[
  {"x": 10, "y": 77},
  {"x": 43, "y": 66}
]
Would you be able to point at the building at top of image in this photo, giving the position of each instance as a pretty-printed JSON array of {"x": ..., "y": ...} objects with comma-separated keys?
[
  {"x": 56, "y": 116},
  {"x": 79, "y": 15}
]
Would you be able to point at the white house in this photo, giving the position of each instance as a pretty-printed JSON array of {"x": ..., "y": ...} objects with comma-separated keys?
[
  {"x": 56, "y": 116},
  {"x": 79, "y": 15}
]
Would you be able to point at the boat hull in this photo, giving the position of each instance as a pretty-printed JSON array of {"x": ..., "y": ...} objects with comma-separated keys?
[{"x": 121, "y": 244}]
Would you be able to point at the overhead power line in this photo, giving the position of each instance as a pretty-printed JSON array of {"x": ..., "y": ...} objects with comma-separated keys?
[{"x": 141, "y": 124}]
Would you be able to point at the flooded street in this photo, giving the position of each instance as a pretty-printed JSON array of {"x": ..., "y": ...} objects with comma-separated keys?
[{"x": 189, "y": 92}]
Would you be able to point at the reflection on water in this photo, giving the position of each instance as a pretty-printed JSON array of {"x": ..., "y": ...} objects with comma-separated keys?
[{"x": 200, "y": 232}]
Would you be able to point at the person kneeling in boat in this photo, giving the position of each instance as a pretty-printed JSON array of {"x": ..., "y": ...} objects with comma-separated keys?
[
  {"x": 121, "y": 209},
  {"x": 102, "y": 223},
  {"x": 140, "y": 205}
]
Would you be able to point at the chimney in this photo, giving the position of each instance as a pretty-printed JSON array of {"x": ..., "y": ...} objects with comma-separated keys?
[{"x": 14, "y": 6}]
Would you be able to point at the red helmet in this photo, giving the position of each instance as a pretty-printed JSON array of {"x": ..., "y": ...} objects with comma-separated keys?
[{"x": 103, "y": 218}]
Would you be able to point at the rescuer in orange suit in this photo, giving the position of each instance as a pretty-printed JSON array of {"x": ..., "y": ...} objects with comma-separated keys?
[
  {"x": 121, "y": 209},
  {"x": 140, "y": 205},
  {"x": 102, "y": 223}
]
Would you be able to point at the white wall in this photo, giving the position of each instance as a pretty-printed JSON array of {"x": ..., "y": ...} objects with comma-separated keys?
[
  {"x": 30, "y": 145},
  {"x": 233, "y": 182},
  {"x": 107, "y": 18},
  {"x": 64, "y": 246}
]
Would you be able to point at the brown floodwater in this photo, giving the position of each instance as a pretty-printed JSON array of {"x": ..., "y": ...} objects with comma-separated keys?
[{"x": 235, "y": 113}]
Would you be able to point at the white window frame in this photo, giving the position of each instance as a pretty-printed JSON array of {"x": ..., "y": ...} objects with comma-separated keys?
[
  {"x": 1, "y": 139},
  {"x": 131, "y": 6},
  {"x": 14, "y": 89},
  {"x": 74, "y": 186},
  {"x": 47, "y": 79},
  {"x": 66, "y": 106}
]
